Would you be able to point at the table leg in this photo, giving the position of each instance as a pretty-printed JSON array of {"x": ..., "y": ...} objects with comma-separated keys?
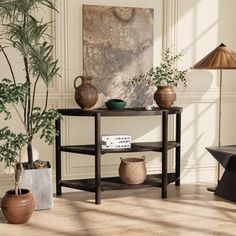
[
  {"x": 226, "y": 186},
  {"x": 164, "y": 154},
  {"x": 97, "y": 158},
  {"x": 178, "y": 149},
  {"x": 58, "y": 157}
]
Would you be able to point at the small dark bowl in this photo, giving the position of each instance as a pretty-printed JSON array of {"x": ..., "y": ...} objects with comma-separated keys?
[{"x": 114, "y": 104}]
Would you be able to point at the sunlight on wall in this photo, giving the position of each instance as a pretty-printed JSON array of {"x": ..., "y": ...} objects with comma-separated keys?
[{"x": 200, "y": 30}]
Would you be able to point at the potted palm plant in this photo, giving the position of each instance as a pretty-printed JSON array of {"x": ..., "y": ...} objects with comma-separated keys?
[
  {"x": 165, "y": 77},
  {"x": 26, "y": 32}
]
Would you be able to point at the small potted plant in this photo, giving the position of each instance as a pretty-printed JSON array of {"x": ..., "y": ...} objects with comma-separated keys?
[
  {"x": 25, "y": 31},
  {"x": 18, "y": 204},
  {"x": 165, "y": 77}
]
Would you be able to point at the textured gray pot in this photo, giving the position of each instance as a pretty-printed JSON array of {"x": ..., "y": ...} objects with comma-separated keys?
[{"x": 39, "y": 181}]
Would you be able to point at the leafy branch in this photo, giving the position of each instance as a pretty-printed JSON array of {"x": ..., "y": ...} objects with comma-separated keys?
[
  {"x": 42, "y": 120},
  {"x": 12, "y": 144},
  {"x": 166, "y": 73}
]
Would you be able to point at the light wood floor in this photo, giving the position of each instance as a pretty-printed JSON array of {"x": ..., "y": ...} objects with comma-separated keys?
[{"x": 189, "y": 210}]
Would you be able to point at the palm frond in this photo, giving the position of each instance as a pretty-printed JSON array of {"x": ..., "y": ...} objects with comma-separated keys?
[
  {"x": 15, "y": 9},
  {"x": 42, "y": 62}
]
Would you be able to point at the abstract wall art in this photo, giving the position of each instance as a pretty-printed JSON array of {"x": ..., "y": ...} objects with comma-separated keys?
[{"x": 118, "y": 45}]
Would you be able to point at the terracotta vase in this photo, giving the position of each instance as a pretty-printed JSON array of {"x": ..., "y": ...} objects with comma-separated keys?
[
  {"x": 165, "y": 96},
  {"x": 18, "y": 208},
  {"x": 86, "y": 95}
]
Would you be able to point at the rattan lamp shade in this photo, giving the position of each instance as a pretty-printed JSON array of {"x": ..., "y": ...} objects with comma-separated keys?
[{"x": 220, "y": 58}]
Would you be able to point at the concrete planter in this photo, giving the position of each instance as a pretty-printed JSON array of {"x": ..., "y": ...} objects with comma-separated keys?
[{"x": 39, "y": 182}]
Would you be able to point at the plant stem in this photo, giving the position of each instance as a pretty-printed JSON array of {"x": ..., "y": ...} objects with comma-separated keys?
[
  {"x": 25, "y": 107},
  {"x": 28, "y": 93},
  {"x": 9, "y": 63},
  {"x": 16, "y": 182},
  {"x": 28, "y": 105},
  {"x": 46, "y": 101},
  {"x": 33, "y": 98},
  {"x": 29, "y": 148},
  {"x": 21, "y": 119},
  {"x": 30, "y": 153},
  {"x": 45, "y": 107},
  {"x": 18, "y": 175},
  {"x": 34, "y": 91},
  {"x": 21, "y": 171}
]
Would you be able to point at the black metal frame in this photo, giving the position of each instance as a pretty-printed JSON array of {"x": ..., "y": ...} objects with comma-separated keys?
[{"x": 98, "y": 184}]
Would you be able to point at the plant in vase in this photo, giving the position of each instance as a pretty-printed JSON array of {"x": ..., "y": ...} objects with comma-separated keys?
[
  {"x": 25, "y": 31},
  {"x": 18, "y": 204},
  {"x": 165, "y": 77}
]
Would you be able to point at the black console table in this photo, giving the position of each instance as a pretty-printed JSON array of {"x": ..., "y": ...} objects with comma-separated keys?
[
  {"x": 226, "y": 156},
  {"x": 98, "y": 183}
]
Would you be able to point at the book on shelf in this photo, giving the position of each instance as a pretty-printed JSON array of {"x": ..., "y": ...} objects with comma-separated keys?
[{"x": 116, "y": 141}]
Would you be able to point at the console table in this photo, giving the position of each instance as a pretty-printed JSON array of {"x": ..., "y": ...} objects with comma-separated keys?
[
  {"x": 98, "y": 184},
  {"x": 226, "y": 156}
]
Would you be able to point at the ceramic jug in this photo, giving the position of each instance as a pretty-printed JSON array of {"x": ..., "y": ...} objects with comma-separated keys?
[{"x": 86, "y": 95}]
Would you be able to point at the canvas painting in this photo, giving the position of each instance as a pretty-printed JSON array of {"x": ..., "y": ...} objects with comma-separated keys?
[{"x": 118, "y": 45}]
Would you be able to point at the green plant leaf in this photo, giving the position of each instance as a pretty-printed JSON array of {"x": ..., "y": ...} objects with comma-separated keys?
[
  {"x": 166, "y": 73},
  {"x": 25, "y": 30}
]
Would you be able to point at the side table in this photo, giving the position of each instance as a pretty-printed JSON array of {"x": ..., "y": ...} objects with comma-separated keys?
[
  {"x": 99, "y": 183},
  {"x": 226, "y": 156}
]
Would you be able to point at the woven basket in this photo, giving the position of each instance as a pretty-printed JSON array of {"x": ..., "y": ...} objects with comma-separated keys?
[{"x": 132, "y": 170}]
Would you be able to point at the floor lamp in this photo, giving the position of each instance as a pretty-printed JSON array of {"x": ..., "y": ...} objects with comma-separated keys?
[{"x": 219, "y": 59}]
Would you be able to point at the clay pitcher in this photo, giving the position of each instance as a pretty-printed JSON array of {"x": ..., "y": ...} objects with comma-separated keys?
[{"x": 86, "y": 95}]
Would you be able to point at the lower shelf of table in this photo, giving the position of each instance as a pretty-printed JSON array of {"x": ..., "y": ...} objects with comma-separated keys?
[{"x": 114, "y": 183}]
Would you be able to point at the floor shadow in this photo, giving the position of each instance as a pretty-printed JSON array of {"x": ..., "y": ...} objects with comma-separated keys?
[
  {"x": 104, "y": 211},
  {"x": 173, "y": 192}
]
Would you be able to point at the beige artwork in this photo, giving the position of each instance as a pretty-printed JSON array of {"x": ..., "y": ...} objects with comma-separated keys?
[{"x": 118, "y": 45}]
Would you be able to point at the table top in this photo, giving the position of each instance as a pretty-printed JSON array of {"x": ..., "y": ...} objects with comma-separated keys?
[
  {"x": 223, "y": 154},
  {"x": 225, "y": 150},
  {"x": 136, "y": 111}
]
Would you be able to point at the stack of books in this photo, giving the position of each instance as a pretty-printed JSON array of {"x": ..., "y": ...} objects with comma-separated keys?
[{"x": 116, "y": 141}]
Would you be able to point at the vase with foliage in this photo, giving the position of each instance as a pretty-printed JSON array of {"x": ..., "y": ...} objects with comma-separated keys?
[
  {"x": 24, "y": 31},
  {"x": 165, "y": 77}
]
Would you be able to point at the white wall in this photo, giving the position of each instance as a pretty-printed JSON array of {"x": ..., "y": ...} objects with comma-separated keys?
[
  {"x": 202, "y": 26},
  {"x": 197, "y": 26}
]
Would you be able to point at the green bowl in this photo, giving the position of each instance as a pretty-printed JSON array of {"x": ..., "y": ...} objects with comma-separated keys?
[{"x": 114, "y": 104}]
